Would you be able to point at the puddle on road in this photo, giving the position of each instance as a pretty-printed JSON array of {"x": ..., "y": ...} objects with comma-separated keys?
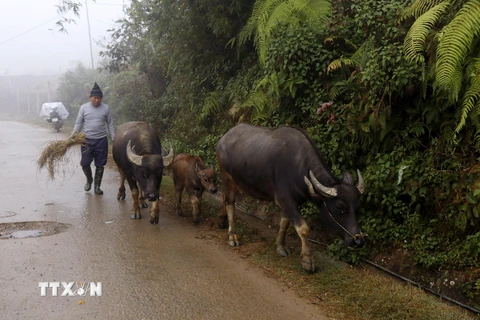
[{"x": 31, "y": 229}]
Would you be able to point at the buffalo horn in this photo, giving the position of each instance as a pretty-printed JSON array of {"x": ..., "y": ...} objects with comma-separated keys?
[
  {"x": 309, "y": 186},
  {"x": 361, "y": 183},
  {"x": 168, "y": 159},
  {"x": 134, "y": 158},
  {"x": 325, "y": 191}
]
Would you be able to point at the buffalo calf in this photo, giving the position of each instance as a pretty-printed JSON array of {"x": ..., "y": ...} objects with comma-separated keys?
[{"x": 191, "y": 173}]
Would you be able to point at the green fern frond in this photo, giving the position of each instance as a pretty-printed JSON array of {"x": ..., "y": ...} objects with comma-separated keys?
[
  {"x": 213, "y": 104},
  {"x": 317, "y": 8},
  {"x": 471, "y": 99},
  {"x": 414, "y": 44},
  {"x": 358, "y": 59},
  {"x": 250, "y": 27},
  {"x": 363, "y": 54},
  {"x": 261, "y": 107},
  {"x": 420, "y": 7},
  {"x": 261, "y": 114},
  {"x": 477, "y": 139},
  {"x": 334, "y": 65},
  {"x": 257, "y": 98},
  {"x": 282, "y": 13},
  {"x": 417, "y": 129},
  {"x": 337, "y": 64},
  {"x": 268, "y": 15},
  {"x": 334, "y": 39},
  {"x": 336, "y": 90},
  {"x": 264, "y": 82},
  {"x": 455, "y": 44},
  {"x": 473, "y": 67}
]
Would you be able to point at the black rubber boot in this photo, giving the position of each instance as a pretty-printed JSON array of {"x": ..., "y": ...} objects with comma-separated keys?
[
  {"x": 88, "y": 173},
  {"x": 98, "y": 180}
]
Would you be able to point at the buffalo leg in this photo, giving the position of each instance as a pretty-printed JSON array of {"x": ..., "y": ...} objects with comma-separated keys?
[
  {"x": 141, "y": 199},
  {"x": 280, "y": 241},
  {"x": 195, "y": 199},
  {"x": 155, "y": 212},
  {"x": 136, "y": 214},
  {"x": 303, "y": 231},
  {"x": 229, "y": 210},
  {"x": 195, "y": 209},
  {"x": 222, "y": 217},
  {"x": 232, "y": 233},
  {"x": 178, "y": 197},
  {"x": 121, "y": 190},
  {"x": 291, "y": 210}
]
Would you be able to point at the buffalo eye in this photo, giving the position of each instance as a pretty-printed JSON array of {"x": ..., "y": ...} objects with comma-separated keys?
[{"x": 342, "y": 209}]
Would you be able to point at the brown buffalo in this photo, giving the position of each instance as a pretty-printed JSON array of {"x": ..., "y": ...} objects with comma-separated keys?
[{"x": 191, "y": 173}]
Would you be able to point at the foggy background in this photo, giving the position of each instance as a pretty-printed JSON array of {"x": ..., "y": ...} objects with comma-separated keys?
[
  {"x": 34, "y": 53},
  {"x": 31, "y": 43}
]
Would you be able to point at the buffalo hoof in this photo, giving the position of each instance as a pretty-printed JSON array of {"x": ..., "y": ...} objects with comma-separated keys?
[
  {"x": 120, "y": 196},
  {"x": 142, "y": 204},
  {"x": 197, "y": 220},
  {"x": 308, "y": 264},
  {"x": 154, "y": 220},
  {"x": 136, "y": 216},
  {"x": 283, "y": 252},
  {"x": 233, "y": 240}
]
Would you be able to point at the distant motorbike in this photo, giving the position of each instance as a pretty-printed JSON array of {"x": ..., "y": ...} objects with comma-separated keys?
[{"x": 55, "y": 120}]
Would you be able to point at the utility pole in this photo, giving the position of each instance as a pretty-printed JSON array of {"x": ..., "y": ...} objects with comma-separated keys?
[
  {"x": 38, "y": 100},
  {"x": 7, "y": 73},
  {"x": 48, "y": 91},
  {"x": 89, "y": 34},
  {"x": 28, "y": 100},
  {"x": 18, "y": 101}
]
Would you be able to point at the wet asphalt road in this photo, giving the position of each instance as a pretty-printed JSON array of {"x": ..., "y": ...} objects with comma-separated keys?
[{"x": 146, "y": 271}]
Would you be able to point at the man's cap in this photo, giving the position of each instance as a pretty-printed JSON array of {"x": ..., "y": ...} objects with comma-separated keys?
[{"x": 96, "y": 92}]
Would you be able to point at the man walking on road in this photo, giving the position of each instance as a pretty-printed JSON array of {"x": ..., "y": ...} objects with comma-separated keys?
[{"x": 95, "y": 117}]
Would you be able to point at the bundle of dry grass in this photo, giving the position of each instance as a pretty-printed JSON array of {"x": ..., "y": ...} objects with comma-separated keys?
[{"x": 55, "y": 152}]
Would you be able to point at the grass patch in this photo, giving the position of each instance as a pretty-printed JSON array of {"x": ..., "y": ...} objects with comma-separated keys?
[{"x": 347, "y": 292}]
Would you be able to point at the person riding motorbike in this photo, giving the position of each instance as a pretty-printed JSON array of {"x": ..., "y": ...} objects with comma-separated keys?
[{"x": 56, "y": 120}]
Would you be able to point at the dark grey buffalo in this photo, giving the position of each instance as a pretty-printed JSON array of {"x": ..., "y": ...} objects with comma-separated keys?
[
  {"x": 284, "y": 166},
  {"x": 137, "y": 151},
  {"x": 190, "y": 173}
]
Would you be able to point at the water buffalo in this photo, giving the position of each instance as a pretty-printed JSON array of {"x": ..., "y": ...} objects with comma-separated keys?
[
  {"x": 138, "y": 154},
  {"x": 283, "y": 165},
  {"x": 191, "y": 173}
]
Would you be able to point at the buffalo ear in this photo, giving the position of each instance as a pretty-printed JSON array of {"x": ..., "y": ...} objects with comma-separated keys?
[
  {"x": 210, "y": 165},
  {"x": 347, "y": 177},
  {"x": 197, "y": 169}
]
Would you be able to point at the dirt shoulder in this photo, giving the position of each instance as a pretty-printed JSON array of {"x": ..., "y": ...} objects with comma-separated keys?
[{"x": 343, "y": 291}]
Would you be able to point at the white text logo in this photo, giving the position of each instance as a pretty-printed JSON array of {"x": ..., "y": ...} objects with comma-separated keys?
[{"x": 70, "y": 289}]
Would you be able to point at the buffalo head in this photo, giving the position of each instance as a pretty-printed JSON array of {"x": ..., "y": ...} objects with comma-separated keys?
[
  {"x": 340, "y": 203},
  {"x": 207, "y": 178},
  {"x": 148, "y": 170}
]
